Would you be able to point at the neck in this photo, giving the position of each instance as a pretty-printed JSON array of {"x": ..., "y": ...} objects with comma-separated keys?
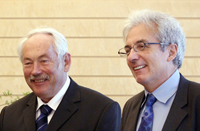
[{"x": 153, "y": 85}]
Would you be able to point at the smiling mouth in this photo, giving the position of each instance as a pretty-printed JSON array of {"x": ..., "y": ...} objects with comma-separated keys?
[
  {"x": 139, "y": 67},
  {"x": 41, "y": 80}
]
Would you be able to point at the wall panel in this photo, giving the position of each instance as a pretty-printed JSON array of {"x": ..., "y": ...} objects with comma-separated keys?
[
  {"x": 95, "y": 46},
  {"x": 93, "y": 29},
  {"x": 82, "y": 27},
  {"x": 94, "y": 8},
  {"x": 103, "y": 66},
  {"x": 121, "y": 85}
]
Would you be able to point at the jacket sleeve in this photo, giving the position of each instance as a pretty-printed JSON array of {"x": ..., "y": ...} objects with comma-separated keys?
[
  {"x": 110, "y": 119},
  {"x": 1, "y": 118}
]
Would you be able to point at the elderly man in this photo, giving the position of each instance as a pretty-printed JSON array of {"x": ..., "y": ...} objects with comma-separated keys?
[
  {"x": 57, "y": 103},
  {"x": 155, "y": 46}
]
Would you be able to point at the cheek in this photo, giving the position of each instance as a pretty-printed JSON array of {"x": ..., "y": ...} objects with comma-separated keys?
[
  {"x": 26, "y": 72},
  {"x": 51, "y": 72},
  {"x": 131, "y": 68},
  {"x": 128, "y": 62}
]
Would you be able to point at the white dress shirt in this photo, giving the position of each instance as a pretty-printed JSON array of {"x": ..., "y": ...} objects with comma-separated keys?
[{"x": 54, "y": 102}]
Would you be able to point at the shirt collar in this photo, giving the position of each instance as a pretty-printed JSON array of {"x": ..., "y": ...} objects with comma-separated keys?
[
  {"x": 164, "y": 92},
  {"x": 55, "y": 101}
]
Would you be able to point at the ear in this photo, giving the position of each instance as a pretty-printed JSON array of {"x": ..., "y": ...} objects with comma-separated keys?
[
  {"x": 173, "y": 49},
  {"x": 67, "y": 62}
]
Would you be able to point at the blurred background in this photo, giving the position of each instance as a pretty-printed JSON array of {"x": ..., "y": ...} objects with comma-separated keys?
[{"x": 93, "y": 29}]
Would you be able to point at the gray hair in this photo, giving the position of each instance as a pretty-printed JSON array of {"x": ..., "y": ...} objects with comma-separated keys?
[
  {"x": 59, "y": 45},
  {"x": 168, "y": 30}
]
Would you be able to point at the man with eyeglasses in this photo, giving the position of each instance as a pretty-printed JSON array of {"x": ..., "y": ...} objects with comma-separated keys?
[{"x": 155, "y": 46}]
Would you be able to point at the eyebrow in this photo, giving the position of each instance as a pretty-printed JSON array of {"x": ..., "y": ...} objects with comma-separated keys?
[
  {"x": 142, "y": 40},
  {"x": 127, "y": 46},
  {"x": 26, "y": 59},
  {"x": 138, "y": 41},
  {"x": 44, "y": 55}
]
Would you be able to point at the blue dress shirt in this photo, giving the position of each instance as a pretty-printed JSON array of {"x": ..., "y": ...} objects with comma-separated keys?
[{"x": 165, "y": 95}]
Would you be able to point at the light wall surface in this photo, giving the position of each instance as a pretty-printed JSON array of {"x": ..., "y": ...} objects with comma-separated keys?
[{"x": 93, "y": 29}]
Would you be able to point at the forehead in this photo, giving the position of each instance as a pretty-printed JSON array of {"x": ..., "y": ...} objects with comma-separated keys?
[
  {"x": 141, "y": 32},
  {"x": 39, "y": 40},
  {"x": 38, "y": 44}
]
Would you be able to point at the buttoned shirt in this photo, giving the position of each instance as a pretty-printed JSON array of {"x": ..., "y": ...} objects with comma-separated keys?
[
  {"x": 54, "y": 102},
  {"x": 165, "y": 95}
]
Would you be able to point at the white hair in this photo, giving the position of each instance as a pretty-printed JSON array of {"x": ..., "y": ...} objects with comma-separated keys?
[
  {"x": 59, "y": 45},
  {"x": 168, "y": 30}
]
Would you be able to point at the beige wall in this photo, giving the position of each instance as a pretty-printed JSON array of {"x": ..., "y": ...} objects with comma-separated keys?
[{"x": 93, "y": 29}]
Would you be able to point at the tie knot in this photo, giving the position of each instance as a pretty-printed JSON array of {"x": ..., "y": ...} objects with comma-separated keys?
[
  {"x": 150, "y": 100},
  {"x": 45, "y": 109}
]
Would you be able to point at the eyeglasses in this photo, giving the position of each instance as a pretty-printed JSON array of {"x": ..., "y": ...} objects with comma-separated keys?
[{"x": 137, "y": 47}]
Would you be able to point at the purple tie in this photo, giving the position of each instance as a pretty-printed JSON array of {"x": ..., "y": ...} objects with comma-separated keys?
[
  {"x": 41, "y": 122},
  {"x": 147, "y": 117}
]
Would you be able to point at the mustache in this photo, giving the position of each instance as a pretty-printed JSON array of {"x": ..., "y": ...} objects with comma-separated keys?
[{"x": 39, "y": 77}]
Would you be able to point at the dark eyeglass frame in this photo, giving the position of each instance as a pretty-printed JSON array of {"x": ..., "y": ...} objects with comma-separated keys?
[{"x": 121, "y": 53}]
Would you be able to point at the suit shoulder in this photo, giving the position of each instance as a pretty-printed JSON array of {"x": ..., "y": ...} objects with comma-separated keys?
[
  {"x": 20, "y": 103},
  {"x": 135, "y": 98},
  {"x": 86, "y": 92},
  {"x": 194, "y": 89},
  {"x": 191, "y": 85},
  {"x": 92, "y": 94},
  {"x": 194, "y": 85},
  {"x": 134, "y": 101}
]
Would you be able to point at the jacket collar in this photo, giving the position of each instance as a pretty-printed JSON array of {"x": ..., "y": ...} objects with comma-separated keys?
[{"x": 177, "y": 114}]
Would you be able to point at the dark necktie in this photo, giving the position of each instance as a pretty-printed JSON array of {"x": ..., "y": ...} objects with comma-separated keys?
[
  {"x": 147, "y": 117},
  {"x": 41, "y": 122}
]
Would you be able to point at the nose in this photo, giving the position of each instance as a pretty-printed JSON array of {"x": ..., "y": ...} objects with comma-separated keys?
[
  {"x": 133, "y": 56},
  {"x": 36, "y": 69}
]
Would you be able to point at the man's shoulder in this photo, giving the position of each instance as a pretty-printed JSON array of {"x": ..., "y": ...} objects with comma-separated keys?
[
  {"x": 93, "y": 94},
  {"x": 21, "y": 103},
  {"x": 136, "y": 98},
  {"x": 134, "y": 101},
  {"x": 192, "y": 86},
  {"x": 194, "y": 90},
  {"x": 86, "y": 98},
  {"x": 87, "y": 93}
]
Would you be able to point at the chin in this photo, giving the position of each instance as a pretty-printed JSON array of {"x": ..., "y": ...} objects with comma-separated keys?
[{"x": 141, "y": 80}]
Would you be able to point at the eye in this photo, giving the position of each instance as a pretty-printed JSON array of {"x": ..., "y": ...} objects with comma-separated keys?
[
  {"x": 127, "y": 49},
  {"x": 139, "y": 46},
  {"x": 44, "y": 61},
  {"x": 27, "y": 62}
]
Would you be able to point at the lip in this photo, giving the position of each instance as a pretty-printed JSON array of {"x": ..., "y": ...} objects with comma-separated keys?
[
  {"x": 38, "y": 80},
  {"x": 138, "y": 67}
]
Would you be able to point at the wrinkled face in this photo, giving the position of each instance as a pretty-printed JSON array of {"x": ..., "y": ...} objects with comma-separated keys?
[
  {"x": 40, "y": 66},
  {"x": 149, "y": 66}
]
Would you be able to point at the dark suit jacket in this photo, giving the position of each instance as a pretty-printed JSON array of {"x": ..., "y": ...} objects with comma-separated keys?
[
  {"x": 81, "y": 109},
  {"x": 184, "y": 114}
]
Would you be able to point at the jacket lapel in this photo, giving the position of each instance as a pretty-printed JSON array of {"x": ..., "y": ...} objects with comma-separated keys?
[
  {"x": 177, "y": 114},
  {"x": 66, "y": 108},
  {"x": 137, "y": 109},
  {"x": 29, "y": 114},
  {"x": 131, "y": 112}
]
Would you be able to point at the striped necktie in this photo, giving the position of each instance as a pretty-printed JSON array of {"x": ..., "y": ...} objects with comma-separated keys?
[{"x": 41, "y": 122}]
